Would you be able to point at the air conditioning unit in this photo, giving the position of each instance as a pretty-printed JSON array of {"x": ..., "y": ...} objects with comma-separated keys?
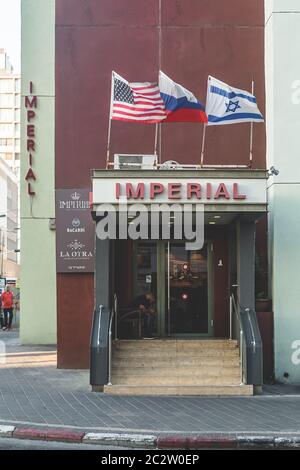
[{"x": 134, "y": 162}]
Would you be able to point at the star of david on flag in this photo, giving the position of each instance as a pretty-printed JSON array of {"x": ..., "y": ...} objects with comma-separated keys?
[{"x": 228, "y": 105}]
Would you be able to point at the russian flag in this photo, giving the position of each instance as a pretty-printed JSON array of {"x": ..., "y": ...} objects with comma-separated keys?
[{"x": 181, "y": 105}]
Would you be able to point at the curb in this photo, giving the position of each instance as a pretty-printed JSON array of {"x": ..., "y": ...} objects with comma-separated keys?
[
  {"x": 149, "y": 441},
  {"x": 196, "y": 442}
]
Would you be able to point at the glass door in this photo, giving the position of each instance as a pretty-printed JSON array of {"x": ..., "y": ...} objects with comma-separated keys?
[
  {"x": 145, "y": 281},
  {"x": 180, "y": 281},
  {"x": 187, "y": 290}
]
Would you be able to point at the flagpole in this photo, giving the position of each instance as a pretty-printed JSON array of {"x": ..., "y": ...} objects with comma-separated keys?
[
  {"x": 204, "y": 125},
  {"x": 159, "y": 144},
  {"x": 203, "y": 144},
  {"x": 156, "y": 140},
  {"x": 251, "y": 132},
  {"x": 109, "y": 122}
]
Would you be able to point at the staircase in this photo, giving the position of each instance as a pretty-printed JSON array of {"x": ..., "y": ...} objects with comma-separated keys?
[{"x": 176, "y": 367}]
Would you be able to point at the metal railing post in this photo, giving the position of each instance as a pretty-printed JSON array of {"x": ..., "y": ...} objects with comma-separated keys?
[
  {"x": 116, "y": 315},
  {"x": 230, "y": 318},
  {"x": 140, "y": 324},
  {"x": 110, "y": 354},
  {"x": 242, "y": 354}
]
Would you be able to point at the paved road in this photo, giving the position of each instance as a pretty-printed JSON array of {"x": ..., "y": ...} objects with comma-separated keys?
[{"x": 33, "y": 391}]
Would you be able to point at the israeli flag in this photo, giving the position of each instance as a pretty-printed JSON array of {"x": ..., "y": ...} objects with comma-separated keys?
[{"x": 228, "y": 105}]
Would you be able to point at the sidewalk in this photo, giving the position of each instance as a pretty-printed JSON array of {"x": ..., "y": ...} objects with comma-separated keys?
[{"x": 34, "y": 395}]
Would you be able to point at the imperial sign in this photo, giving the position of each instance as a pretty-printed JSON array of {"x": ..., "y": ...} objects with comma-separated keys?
[{"x": 184, "y": 190}]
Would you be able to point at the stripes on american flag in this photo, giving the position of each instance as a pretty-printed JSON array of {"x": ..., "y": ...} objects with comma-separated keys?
[{"x": 139, "y": 102}]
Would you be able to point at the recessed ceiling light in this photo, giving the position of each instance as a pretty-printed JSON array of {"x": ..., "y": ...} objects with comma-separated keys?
[
  {"x": 217, "y": 217},
  {"x": 212, "y": 223}
]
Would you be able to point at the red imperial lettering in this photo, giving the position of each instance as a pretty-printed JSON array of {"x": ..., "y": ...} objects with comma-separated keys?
[
  {"x": 30, "y": 102},
  {"x": 118, "y": 190},
  {"x": 174, "y": 190},
  {"x": 30, "y": 175},
  {"x": 236, "y": 194},
  {"x": 30, "y": 192},
  {"x": 30, "y": 130},
  {"x": 30, "y": 115},
  {"x": 138, "y": 193},
  {"x": 155, "y": 189},
  {"x": 222, "y": 192},
  {"x": 208, "y": 191},
  {"x": 193, "y": 189},
  {"x": 30, "y": 145}
]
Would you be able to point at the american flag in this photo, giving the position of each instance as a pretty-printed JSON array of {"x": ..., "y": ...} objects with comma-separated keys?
[{"x": 139, "y": 102}]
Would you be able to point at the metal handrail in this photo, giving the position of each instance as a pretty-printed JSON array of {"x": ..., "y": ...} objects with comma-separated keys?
[
  {"x": 247, "y": 334},
  {"x": 234, "y": 309},
  {"x": 112, "y": 316},
  {"x": 253, "y": 340}
]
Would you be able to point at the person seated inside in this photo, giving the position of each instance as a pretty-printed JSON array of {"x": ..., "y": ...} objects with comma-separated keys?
[{"x": 146, "y": 303}]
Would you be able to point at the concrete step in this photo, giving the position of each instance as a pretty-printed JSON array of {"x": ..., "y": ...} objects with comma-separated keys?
[
  {"x": 195, "y": 390},
  {"x": 167, "y": 364},
  {"x": 174, "y": 344},
  {"x": 165, "y": 355},
  {"x": 166, "y": 371},
  {"x": 233, "y": 379},
  {"x": 178, "y": 361}
]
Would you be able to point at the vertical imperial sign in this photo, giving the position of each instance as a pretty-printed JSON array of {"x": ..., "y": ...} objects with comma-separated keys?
[
  {"x": 75, "y": 231},
  {"x": 30, "y": 105}
]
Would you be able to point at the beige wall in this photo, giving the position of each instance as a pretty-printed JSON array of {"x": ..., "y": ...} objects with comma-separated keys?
[
  {"x": 38, "y": 271},
  {"x": 283, "y": 124}
]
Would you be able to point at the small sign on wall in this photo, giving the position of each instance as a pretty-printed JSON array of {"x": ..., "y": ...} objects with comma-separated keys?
[{"x": 75, "y": 231}]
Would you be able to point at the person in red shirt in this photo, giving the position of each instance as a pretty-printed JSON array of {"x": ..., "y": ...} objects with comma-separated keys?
[{"x": 7, "y": 299}]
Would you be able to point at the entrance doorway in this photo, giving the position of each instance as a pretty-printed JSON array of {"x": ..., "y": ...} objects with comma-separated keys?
[{"x": 181, "y": 282}]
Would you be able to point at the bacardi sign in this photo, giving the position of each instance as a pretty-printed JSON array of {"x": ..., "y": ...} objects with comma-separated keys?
[{"x": 75, "y": 231}]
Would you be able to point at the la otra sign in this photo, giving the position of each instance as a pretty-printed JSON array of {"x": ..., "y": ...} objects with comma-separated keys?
[{"x": 178, "y": 191}]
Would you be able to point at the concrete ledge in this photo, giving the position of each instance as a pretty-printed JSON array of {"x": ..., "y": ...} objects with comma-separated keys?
[
  {"x": 121, "y": 439},
  {"x": 251, "y": 441},
  {"x": 30, "y": 433},
  {"x": 196, "y": 442},
  {"x": 98, "y": 388},
  {"x": 60, "y": 435},
  {"x": 6, "y": 431},
  {"x": 65, "y": 435},
  {"x": 287, "y": 442},
  {"x": 160, "y": 441}
]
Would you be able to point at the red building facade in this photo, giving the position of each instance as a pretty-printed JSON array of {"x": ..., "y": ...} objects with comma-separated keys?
[{"x": 188, "y": 40}]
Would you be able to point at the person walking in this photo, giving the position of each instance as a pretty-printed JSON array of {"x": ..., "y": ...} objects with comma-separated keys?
[
  {"x": 1, "y": 314},
  {"x": 7, "y": 299}
]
